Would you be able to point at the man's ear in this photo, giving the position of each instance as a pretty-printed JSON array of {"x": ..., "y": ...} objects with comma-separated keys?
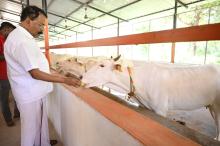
[
  {"x": 117, "y": 67},
  {"x": 28, "y": 20}
]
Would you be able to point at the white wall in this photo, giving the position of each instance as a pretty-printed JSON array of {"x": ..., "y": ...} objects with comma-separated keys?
[{"x": 78, "y": 124}]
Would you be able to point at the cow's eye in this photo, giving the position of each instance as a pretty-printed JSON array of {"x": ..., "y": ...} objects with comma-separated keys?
[{"x": 101, "y": 65}]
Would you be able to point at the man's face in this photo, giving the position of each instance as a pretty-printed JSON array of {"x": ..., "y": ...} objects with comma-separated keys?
[{"x": 37, "y": 25}]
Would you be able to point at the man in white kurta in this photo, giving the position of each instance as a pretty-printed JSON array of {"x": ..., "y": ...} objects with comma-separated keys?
[{"x": 29, "y": 76}]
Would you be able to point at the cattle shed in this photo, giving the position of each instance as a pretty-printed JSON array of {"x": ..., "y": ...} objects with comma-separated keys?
[{"x": 82, "y": 34}]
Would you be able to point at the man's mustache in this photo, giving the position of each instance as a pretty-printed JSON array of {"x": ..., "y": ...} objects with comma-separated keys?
[{"x": 40, "y": 32}]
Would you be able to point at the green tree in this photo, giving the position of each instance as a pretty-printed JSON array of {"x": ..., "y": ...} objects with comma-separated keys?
[{"x": 199, "y": 14}]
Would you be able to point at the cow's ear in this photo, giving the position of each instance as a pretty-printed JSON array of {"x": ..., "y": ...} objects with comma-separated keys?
[{"x": 117, "y": 67}]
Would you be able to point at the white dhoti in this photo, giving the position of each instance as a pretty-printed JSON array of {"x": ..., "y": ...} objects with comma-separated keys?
[{"x": 34, "y": 124}]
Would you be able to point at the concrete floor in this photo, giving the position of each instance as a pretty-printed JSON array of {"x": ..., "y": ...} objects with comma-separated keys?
[
  {"x": 10, "y": 136},
  {"x": 199, "y": 120}
]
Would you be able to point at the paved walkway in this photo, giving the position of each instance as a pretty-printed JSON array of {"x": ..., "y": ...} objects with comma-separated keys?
[{"x": 10, "y": 136}]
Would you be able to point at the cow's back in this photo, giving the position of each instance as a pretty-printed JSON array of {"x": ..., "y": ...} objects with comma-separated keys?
[{"x": 184, "y": 87}]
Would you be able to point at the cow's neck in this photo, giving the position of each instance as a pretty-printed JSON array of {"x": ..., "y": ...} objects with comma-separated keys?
[{"x": 123, "y": 79}]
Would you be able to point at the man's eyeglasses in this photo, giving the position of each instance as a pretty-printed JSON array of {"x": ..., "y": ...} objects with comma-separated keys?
[{"x": 41, "y": 26}]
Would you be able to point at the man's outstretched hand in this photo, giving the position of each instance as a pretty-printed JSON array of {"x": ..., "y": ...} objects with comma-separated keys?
[{"x": 72, "y": 81}]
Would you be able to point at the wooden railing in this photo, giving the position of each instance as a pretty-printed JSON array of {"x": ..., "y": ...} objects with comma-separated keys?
[{"x": 187, "y": 34}]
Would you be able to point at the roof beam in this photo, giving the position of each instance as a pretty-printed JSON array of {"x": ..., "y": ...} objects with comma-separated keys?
[
  {"x": 59, "y": 16},
  {"x": 71, "y": 20},
  {"x": 44, "y": 5},
  {"x": 157, "y": 12},
  {"x": 165, "y": 10},
  {"x": 52, "y": 25},
  {"x": 28, "y": 3},
  {"x": 82, "y": 5},
  {"x": 112, "y": 11},
  {"x": 182, "y": 3},
  {"x": 50, "y": 3},
  {"x": 69, "y": 14},
  {"x": 106, "y": 13},
  {"x": 9, "y": 12},
  {"x": 16, "y": 14},
  {"x": 84, "y": 23},
  {"x": 20, "y": 3},
  {"x": 19, "y": 22}
]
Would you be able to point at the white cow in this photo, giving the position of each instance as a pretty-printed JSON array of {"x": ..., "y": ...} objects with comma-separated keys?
[
  {"x": 58, "y": 57},
  {"x": 164, "y": 87},
  {"x": 70, "y": 66},
  {"x": 76, "y": 65}
]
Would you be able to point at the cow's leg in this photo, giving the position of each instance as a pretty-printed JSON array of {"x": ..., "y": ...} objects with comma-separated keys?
[
  {"x": 215, "y": 111},
  {"x": 161, "y": 106},
  {"x": 162, "y": 113},
  {"x": 218, "y": 123}
]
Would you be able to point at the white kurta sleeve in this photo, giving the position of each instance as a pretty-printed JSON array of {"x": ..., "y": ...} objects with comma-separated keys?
[{"x": 27, "y": 56}]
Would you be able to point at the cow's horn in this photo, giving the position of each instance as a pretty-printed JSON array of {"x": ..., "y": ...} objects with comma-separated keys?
[{"x": 116, "y": 58}]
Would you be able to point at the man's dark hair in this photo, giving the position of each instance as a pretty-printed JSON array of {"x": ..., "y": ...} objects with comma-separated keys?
[
  {"x": 31, "y": 12},
  {"x": 7, "y": 25}
]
